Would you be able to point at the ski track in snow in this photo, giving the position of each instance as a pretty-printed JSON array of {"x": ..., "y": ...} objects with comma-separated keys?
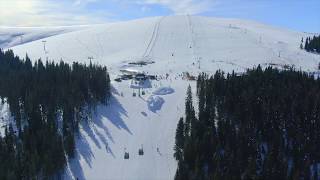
[
  {"x": 153, "y": 38},
  {"x": 177, "y": 44}
]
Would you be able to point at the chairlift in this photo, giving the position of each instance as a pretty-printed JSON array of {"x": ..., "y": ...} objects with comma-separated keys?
[
  {"x": 141, "y": 152},
  {"x": 126, "y": 155}
]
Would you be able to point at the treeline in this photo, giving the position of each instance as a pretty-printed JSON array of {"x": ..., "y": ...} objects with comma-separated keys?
[
  {"x": 46, "y": 101},
  {"x": 311, "y": 44},
  {"x": 264, "y": 124}
]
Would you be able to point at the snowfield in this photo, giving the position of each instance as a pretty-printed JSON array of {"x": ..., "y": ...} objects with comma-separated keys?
[{"x": 176, "y": 44}]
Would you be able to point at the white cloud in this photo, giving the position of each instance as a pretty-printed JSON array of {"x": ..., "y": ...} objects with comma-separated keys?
[
  {"x": 72, "y": 12},
  {"x": 83, "y": 2},
  {"x": 183, "y": 6},
  {"x": 46, "y": 13}
]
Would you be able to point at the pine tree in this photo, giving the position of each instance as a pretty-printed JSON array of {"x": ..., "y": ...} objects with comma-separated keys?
[
  {"x": 178, "y": 154},
  {"x": 266, "y": 119},
  {"x": 306, "y": 46},
  {"x": 312, "y": 44},
  {"x": 36, "y": 94},
  {"x": 189, "y": 111},
  {"x": 301, "y": 44}
]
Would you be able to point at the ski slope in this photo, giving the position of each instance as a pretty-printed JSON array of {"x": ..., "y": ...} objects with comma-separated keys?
[
  {"x": 211, "y": 43},
  {"x": 175, "y": 44},
  {"x": 128, "y": 123}
]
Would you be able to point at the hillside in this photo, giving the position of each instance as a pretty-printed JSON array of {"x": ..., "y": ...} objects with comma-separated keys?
[
  {"x": 170, "y": 46},
  {"x": 217, "y": 43},
  {"x": 13, "y": 36}
]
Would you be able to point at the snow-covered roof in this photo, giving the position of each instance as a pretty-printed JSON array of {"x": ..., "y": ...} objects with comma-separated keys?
[{"x": 131, "y": 71}]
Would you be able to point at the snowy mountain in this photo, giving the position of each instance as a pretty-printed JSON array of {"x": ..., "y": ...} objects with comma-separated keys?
[
  {"x": 215, "y": 42},
  {"x": 169, "y": 47},
  {"x": 13, "y": 36}
]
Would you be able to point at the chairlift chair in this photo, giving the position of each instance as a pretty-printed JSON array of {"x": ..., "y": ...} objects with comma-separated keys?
[
  {"x": 141, "y": 152},
  {"x": 126, "y": 155}
]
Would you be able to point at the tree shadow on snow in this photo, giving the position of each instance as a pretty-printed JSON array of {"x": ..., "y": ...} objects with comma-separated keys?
[
  {"x": 75, "y": 169},
  {"x": 113, "y": 113},
  {"x": 109, "y": 150},
  {"x": 104, "y": 140},
  {"x": 87, "y": 127},
  {"x": 84, "y": 149},
  {"x": 97, "y": 121},
  {"x": 100, "y": 140},
  {"x": 114, "y": 90}
]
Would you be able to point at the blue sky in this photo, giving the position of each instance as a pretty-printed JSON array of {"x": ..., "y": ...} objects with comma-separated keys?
[{"x": 301, "y": 15}]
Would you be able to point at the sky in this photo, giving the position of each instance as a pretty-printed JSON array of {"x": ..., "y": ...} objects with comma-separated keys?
[{"x": 299, "y": 15}]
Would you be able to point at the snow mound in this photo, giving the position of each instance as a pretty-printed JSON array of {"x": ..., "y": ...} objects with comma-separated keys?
[
  {"x": 155, "y": 103},
  {"x": 163, "y": 91}
]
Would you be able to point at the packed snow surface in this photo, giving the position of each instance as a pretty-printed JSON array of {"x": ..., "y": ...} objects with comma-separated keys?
[
  {"x": 176, "y": 45},
  {"x": 163, "y": 91},
  {"x": 155, "y": 103}
]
